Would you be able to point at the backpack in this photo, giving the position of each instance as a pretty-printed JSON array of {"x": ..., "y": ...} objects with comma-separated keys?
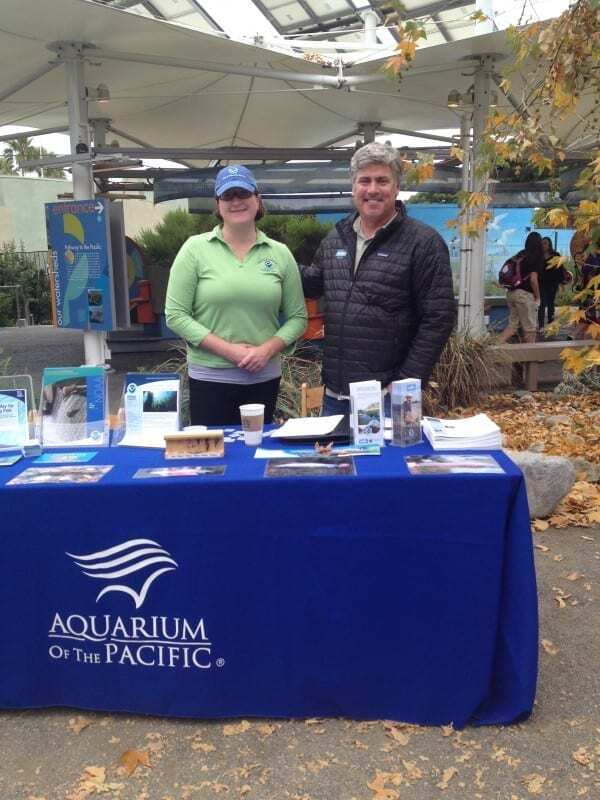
[{"x": 510, "y": 276}]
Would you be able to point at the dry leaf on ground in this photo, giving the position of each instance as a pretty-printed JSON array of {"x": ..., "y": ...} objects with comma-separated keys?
[
  {"x": 534, "y": 783},
  {"x": 549, "y": 647},
  {"x": 77, "y": 724},
  {"x": 447, "y": 776},
  {"x": 130, "y": 760},
  {"x": 235, "y": 730}
]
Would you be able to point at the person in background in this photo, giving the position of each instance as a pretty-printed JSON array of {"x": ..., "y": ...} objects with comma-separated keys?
[
  {"x": 523, "y": 303},
  {"x": 590, "y": 268},
  {"x": 551, "y": 278},
  {"x": 234, "y": 295},
  {"x": 386, "y": 283}
]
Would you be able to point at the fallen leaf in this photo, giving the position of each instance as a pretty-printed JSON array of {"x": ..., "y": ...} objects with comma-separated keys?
[
  {"x": 534, "y": 783},
  {"x": 447, "y": 776},
  {"x": 265, "y": 729},
  {"x": 130, "y": 760},
  {"x": 540, "y": 525},
  {"x": 541, "y": 547},
  {"x": 574, "y": 576},
  {"x": 581, "y": 756},
  {"x": 235, "y": 730},
  {"x": 204, "y": 747},
  {"x": 77, "y": 724},
  {"x": 448, "y": 730},
  {"x": 549, "y": 647}
]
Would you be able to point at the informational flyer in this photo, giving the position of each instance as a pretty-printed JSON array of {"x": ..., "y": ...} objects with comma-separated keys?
[
  {"x": 13, "y": 418},
  {"x": 152, "y": 403},
  {"x": 82, "y": 278},
  {"x": 37, "y": 475},
  {"x": 178, "y": 472},
  {"x": 73, "y": 407},
  {"x": 453, "y": 464},
  {"x": 66, "y": 458}
]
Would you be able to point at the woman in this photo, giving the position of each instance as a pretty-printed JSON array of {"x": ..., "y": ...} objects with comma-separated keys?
[
  {"x": 550, "y": 279},
  {"x": 235, "y": 296},
  {"x": 523, "y": 302}
]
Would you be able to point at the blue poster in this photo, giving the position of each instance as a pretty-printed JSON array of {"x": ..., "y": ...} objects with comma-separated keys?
[{"x": 79, "y": 238}]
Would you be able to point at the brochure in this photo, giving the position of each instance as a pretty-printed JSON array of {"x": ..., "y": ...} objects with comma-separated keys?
[
  {"x": 14, "y": 429},
  {"x": 66, "y": 458},
  {"x": 35, "y": 475},
  {"x": 152, "y": 403},
  {"x": 311, "y": 466},
  {"x": 406, "y": 412},
  {"x": 451, "y": 464},
  {"x": 178, "y": 472},
  {"x": 366, "y": 412},
  {"x": 9, "y": 460},
  {"x": 470, "y": 433},
  {"x": 73, "y": 407}
]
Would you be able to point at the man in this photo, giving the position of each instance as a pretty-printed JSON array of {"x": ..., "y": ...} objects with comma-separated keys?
[{"x": 386, "y": 283}]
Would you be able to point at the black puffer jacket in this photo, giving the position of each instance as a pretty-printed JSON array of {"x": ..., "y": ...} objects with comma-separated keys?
[{"x": 391, "y": 318}]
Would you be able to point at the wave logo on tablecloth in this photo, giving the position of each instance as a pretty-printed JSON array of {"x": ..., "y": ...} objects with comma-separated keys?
[{"x": 127, "y": 559}]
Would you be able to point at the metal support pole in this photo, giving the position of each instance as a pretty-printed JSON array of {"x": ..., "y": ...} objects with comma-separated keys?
[
  {"x": 476, "y": 282},
  {"x": 94, "y": 342},
  {"x": 370, "y": 20},
  {"x": 465, "y": 242},
  {"x": 368, "y": 130}
]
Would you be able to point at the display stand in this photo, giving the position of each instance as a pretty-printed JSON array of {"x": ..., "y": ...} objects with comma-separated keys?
[
  {"x": 17, "y": 418},
  {"x": 150, "y": 408},
  {"x": 73, "y": 407}
]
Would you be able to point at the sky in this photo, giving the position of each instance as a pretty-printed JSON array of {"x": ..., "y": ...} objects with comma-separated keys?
[{"x": 247, "y": 21}]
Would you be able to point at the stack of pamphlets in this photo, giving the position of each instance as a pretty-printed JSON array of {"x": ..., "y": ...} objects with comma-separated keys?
[{"x": 472, "y": 433}]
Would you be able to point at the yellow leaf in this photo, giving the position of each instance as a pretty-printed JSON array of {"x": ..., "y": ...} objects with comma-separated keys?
[
  {"x": 549, "y": 647},
  {"x": 77, "y": 724},
  {"x": 130, "y": 760},
  {"x": 540, "y": 525},
  {"x": 534, "y": 783},
  {"x": 235, "y": 730},
  {"x": 581, "y": 756},
  {"x": 447, "y": 776},
  {"x": 558, "y": 218}
]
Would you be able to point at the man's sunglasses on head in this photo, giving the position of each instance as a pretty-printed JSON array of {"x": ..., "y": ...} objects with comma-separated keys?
[{"x": 235, "y": 194}]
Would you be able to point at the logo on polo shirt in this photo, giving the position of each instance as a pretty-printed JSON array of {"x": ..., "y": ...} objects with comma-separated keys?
[{"x": 268, "y": 265}]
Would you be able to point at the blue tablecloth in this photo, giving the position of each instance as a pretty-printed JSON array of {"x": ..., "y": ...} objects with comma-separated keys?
[{"x": 381, "y": 595}]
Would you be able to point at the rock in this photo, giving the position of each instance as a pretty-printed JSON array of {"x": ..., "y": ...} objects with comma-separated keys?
[
  {"x": 523, "y": 395},
  {"x": 556, "y": 419},
  {"x": 547, "y": 478},
  {"x": 581, "y": 465},
  {"x": 575, "y": 440}
]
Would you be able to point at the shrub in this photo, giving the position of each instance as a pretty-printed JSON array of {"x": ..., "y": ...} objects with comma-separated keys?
[{"x": 17, "y": 267}]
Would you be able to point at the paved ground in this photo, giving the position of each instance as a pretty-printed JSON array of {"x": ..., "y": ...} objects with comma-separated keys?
[{"x": 556, "y": 754}]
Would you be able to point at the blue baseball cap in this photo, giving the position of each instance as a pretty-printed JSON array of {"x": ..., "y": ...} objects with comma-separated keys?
[{"x": 235, "y": 176}]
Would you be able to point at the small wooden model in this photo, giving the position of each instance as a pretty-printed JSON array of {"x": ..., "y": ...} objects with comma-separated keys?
[{"x": 195, "y": 444}]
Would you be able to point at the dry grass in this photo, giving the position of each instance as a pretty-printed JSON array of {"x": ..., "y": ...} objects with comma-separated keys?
[{"x": 465, "y": 371}]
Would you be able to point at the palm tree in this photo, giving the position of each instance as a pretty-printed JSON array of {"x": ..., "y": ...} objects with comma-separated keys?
[{"x": 21, "y": 150}]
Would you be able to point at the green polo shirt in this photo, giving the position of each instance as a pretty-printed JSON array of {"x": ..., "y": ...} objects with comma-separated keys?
[{"x": 211, "y": 291}]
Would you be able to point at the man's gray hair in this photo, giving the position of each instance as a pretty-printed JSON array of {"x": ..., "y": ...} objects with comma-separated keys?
[{"x": 376, "y": 153}]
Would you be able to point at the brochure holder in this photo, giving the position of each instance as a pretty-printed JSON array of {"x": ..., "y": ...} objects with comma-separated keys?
[
  {"x": 17, "y": 417},
  {"x": 150, "y": 408},
  {"x": 73, "y": 407}
]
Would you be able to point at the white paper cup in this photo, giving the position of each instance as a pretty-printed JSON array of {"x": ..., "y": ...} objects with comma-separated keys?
[{"x": 253, "y": 419}]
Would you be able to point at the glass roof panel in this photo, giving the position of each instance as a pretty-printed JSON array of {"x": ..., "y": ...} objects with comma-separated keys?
[
  {"x": 326, "y": 8},
  {"x": 287, "y": 14}
]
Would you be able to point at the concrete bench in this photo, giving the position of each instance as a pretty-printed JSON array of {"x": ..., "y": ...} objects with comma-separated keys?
[{"x": 532, "y": 355}]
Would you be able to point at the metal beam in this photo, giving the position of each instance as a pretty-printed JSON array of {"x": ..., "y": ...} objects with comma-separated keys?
[
  {"x": 315, "y": 79},
  {"x": 230, "y": 153},
  {"x": 141, "y": 142},
  {"x": 418, "y": 135},
  {"x": 33, "y": 76},
  {"x": 33, "y": 134}
]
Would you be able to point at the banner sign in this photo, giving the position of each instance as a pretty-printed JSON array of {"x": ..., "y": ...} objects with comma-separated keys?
[{"x": 79, "y": 239}]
